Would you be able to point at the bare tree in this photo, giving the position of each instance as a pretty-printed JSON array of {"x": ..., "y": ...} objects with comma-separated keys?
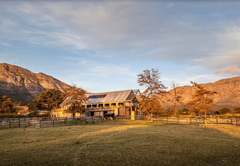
[
  {"x": 150, "y": 79},
  {"x": 76, "y": 97},
  {"x": 177, "y": 96}
]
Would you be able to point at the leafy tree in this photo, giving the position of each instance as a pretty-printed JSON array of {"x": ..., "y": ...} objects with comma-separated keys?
[
  {"x": 169, "y": 111},
  {"x": 236, "y": 110},
  {"x": 75, "y": 98},
  {"x": 150, "y": 102},
  {"x": 202, "y": 99},
  {"x": 48, "y": 100},
  {"x": 33, "y": 113},
  {"x": 7, "y": 105},
  {"x": 184, "y": 111},
  {"x": 224, "y": 110}
]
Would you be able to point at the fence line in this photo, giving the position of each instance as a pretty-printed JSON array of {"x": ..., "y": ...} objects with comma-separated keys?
[
  {"x": 37, "y": 122},
  {"x": 40, "y": 122},
  {"x": 182, "y": 120}
]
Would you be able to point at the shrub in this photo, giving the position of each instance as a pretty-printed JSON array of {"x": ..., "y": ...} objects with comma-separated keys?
[
  {"x": 11, "y": 116},
  {"x": 224, "y": 111},
  {"x": 184, "y": 111},
  {"x": 236, "y": 110}
]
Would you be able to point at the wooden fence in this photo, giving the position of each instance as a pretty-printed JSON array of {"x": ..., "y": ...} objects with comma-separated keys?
[
  {"x": 181, "y": 120},
  {"x": 37, "y": 122}
]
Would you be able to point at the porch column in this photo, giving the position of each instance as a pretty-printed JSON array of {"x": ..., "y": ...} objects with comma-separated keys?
[{"x": 132, "y": 114}]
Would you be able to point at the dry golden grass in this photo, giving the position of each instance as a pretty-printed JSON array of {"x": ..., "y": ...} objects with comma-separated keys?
[
  {"x": 228, "y": 129},
  {"x": 120, "y": 143}
]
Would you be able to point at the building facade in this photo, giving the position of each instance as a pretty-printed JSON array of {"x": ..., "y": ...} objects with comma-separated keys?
[{"x": 108, "y": 104}]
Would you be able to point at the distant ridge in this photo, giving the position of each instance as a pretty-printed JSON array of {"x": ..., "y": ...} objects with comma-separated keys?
[
  {"x": 228, "y": 92},
  {"x": 23, "y": 85}
]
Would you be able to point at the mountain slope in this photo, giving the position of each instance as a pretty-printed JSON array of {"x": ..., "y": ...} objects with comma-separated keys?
[
  {"x": 23, "y": 85},
  {"x": 228, "y": 91}
]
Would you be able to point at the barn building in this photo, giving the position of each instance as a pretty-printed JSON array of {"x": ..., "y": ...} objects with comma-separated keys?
[
  {"x": 115, "y": 103},
  {"x": 107, "y": 104}
]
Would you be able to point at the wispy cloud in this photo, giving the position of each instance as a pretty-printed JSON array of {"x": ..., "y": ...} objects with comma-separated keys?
[
  {"x": 101, "y": 69},
  {"x": 232, "y": 70},
  {"x": 5, "y": 44},
  {"x": 172, "y": 36},
  {"x": 115, "y": 28}
]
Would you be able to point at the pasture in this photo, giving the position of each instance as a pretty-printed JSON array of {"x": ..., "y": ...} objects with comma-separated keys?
[{"x": 121, "y": 143}]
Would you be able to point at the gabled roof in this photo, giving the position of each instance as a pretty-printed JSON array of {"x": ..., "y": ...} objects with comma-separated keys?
[
  {"x": 104, "y": 97},
  {"x": 67, "y": 101},
  {"x": 114, "y": 96}
]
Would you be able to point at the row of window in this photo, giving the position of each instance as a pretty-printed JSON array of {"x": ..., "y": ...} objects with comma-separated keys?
[
  {"x": 103, "y": 105},
  {"x": 97, "y": 96}
]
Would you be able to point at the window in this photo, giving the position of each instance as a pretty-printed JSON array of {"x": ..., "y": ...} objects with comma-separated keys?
[
  {"x": 88, "y": 106},
  {"x": 113, "y": 104},
  {"x": 120, "y": 104},
  {"x": 106, "y": 105},
  {"x": 97, "y": 96}
]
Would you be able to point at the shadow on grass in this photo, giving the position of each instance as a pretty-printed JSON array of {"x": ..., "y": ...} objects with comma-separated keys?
[{"x": 119, "y": 143}]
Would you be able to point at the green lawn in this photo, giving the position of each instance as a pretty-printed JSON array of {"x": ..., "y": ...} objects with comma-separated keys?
[{"x": 119, "y": 143}]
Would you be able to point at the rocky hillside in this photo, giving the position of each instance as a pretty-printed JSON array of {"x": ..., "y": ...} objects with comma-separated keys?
[
  {"x": 23, "y": 85},
  {"x": 228, "y": 92}
]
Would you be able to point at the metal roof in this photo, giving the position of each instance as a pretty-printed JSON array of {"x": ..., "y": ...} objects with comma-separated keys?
[{"x": 114, "y": 96}]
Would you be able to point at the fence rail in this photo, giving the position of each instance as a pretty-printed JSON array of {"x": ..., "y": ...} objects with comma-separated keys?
[
  {"x": 42, "y": 122},
  {"x": 182, "y": 120},
  {"x": 39, "y": 122}
]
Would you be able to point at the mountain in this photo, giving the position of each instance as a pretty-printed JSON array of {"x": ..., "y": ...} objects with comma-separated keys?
[
  {"x": 23, "y": 85},
  {"x": 228, "y": 92}
]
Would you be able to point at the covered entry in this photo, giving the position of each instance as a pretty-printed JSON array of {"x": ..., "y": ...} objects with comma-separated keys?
[{"x": 104, "y": 113}]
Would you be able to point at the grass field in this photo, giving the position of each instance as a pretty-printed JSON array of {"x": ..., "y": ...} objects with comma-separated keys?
[{"x": 121, "y": 143}]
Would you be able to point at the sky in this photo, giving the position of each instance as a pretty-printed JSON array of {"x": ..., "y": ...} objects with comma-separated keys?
[{"x": 103, "y": 45}]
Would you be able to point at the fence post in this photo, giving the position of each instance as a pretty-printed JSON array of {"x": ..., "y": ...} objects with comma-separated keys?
[
  {"x": 217, "y": 120},
  {"x": 167, "y": 119},
  {"x": 236, "y": 121},
  {"x": 231, "y": 122},
  {"x": 29, "y": 123},
  {"x": 190, "y": 120}
]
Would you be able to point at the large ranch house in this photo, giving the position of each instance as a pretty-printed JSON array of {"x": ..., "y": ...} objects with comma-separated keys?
[{"x": 106, "y": 104}]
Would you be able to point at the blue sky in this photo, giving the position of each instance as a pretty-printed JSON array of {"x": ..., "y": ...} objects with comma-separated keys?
[{"x": 102, "y": 46}]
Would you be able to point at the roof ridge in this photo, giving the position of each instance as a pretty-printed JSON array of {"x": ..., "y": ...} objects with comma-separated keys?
[{"x": 110, "y": 91}]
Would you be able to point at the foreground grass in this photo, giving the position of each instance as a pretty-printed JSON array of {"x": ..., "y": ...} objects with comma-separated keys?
[{"x": 120, "y": 143}]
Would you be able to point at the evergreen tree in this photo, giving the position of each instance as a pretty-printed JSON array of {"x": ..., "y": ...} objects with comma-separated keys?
[
  {"x": 48, "y": 100},
  {"x": 202, "y": 99},
  {"x": 7, "y": 105}
]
